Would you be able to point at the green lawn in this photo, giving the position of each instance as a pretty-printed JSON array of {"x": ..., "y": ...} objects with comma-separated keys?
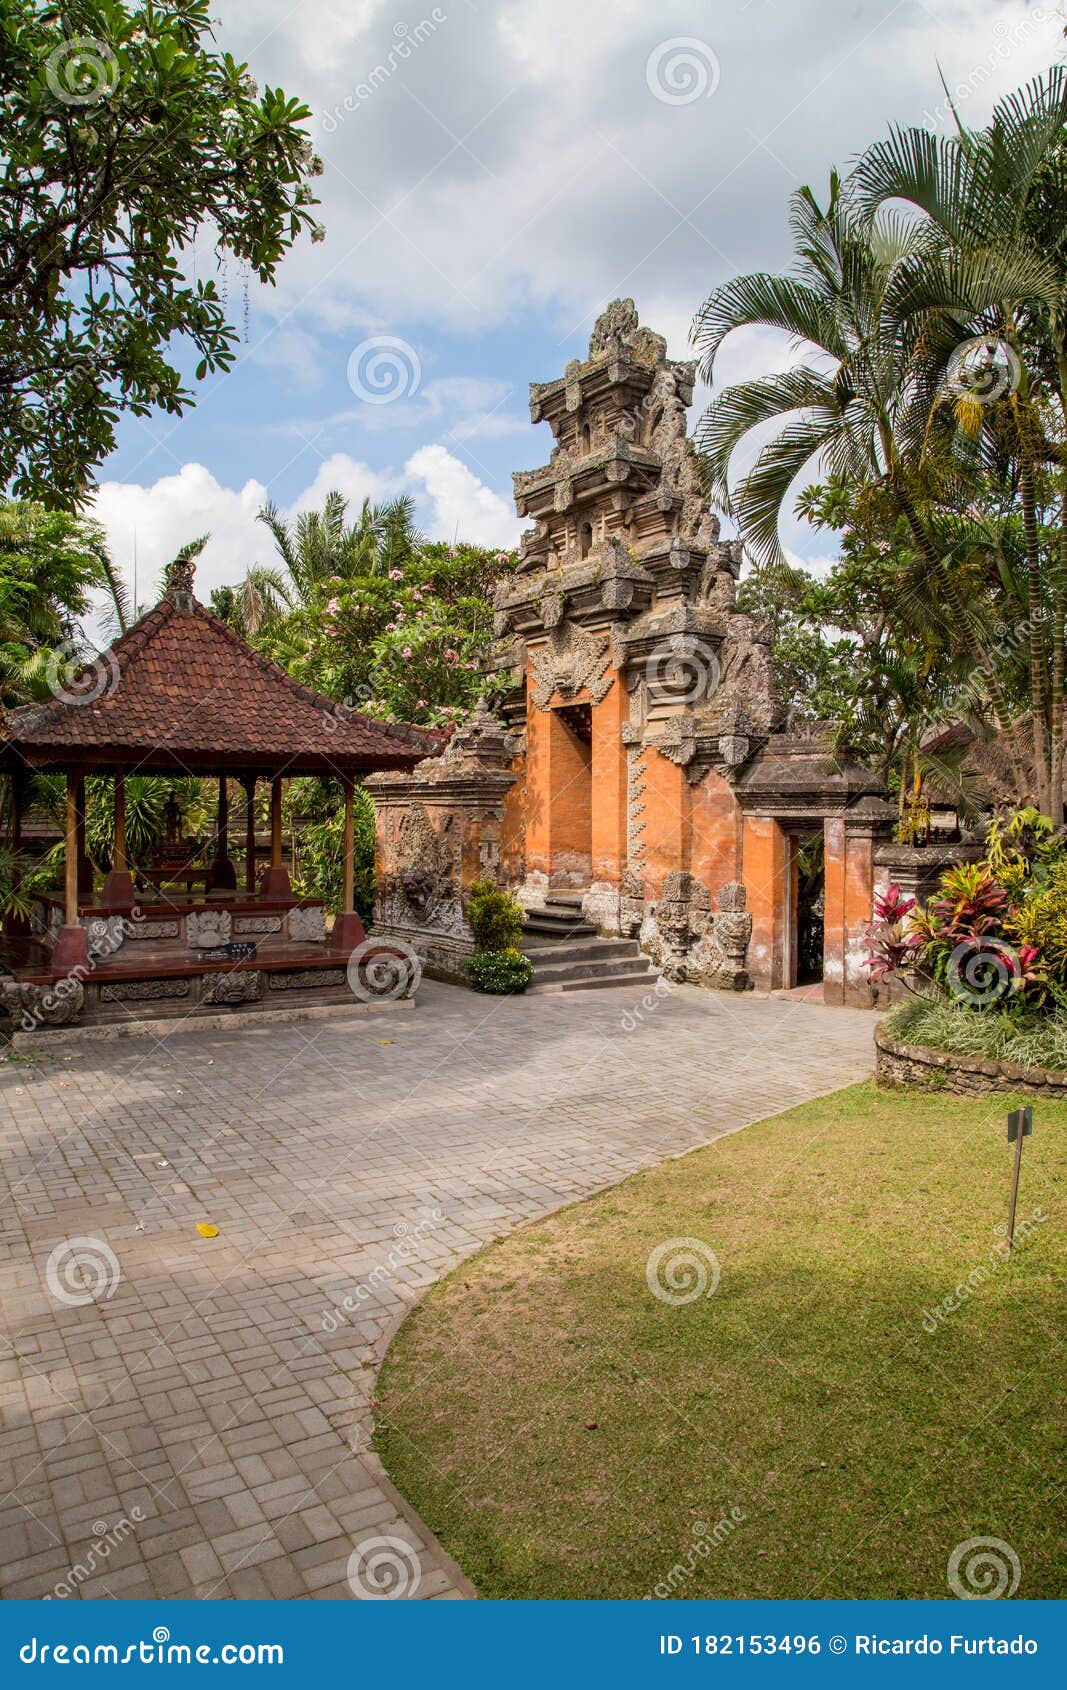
[{"x": 797, "y": 1433}]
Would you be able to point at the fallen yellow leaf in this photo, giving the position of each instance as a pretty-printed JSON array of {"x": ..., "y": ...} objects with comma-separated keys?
[{"x": 206, "y": 1230}]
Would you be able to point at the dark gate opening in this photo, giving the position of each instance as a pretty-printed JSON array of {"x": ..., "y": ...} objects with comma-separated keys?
[{"x": 810, "y": 904}]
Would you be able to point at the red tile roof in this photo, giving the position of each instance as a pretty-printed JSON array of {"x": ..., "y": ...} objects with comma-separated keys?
[{"x": 182, "y": 691}]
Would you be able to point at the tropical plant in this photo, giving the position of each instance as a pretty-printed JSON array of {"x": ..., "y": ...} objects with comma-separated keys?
[
  {"x": 51, "y": 563},
  {"x": 991, "y": 197},
  {"x": 321, "y": 551},
  {"x": 314, "y": 810},
  {"x": 501, "y": 972},
  {"x": 494, "y": 917},
  {"x": 126, "y": 134}
]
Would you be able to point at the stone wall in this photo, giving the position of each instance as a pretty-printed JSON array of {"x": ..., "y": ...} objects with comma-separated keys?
[{"x": 900, "y": 1064}]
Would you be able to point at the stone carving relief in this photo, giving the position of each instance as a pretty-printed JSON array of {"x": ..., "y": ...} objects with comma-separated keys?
[
  {"x": 694, "y": 942},
  {"x": 303, "y": 979},
  {"x": 32, "y": 1006},
  {"x": 421, "y": 883},
  {"x": 570, "y": 660},
  {"x": 257, "y": 924},
  {"x": 205, "y": 929},
  {"x": 243, "y": 985},
  {"x": 122, "y": 991},
  {"x": 307, "y": 925}
]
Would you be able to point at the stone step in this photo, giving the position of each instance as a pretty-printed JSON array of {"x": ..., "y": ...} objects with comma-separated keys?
[
  {"x": 544, "y": 951},
  {"x": 639, "y": 982},
  {"x": 563, "y": 924},
  {"x": 602, "y": 972}
]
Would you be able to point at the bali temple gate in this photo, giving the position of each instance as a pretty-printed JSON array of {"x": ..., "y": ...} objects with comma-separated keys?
[{"x": 659, "y": 793}]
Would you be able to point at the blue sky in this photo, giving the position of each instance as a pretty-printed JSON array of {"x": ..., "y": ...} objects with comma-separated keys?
[{"x": 495, "y": 172}]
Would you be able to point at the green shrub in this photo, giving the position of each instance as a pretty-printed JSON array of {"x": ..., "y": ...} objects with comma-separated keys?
[
  {"x": 499, "y": 971},
  {"x": 494, "y": 916},
  {"x": 1033, "y": 1039}
]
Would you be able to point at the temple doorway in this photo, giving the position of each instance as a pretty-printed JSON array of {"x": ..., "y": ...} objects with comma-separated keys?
[
  {"x": 807, "y": 911},
  {"x": 571, "y": 795}
]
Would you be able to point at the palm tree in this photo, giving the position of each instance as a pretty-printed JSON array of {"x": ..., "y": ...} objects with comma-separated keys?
[
  {"x": 321, "y": 549},
  {"x": 998, "y": 191},
  {"x": 50, "y": 565},
  {"x": 881, "y": 306}
]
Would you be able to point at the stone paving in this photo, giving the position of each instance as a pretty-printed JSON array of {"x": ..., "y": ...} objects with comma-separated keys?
[{"x": 189, "y": 1416}]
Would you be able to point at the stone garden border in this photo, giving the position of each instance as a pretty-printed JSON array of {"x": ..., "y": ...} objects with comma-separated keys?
[{"x": 901, "y": 1064}]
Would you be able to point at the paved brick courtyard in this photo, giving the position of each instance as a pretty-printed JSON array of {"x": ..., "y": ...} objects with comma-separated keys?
[{"x": 189, "y": 1417}]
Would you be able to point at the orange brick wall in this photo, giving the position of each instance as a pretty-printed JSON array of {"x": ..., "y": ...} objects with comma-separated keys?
[
  {"x": 716, "y": 837},
  {"x": 558, "y": 796},
  {"x": 766, "y": 867},
  {"x": 849, "y": 893}
]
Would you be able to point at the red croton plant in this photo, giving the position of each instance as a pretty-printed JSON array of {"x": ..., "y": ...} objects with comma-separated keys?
[{"x": 967, "y": 941}]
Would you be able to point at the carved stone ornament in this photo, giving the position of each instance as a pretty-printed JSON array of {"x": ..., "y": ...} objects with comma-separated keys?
[
  {"x": 204, "y": 929},
  {"x": 257, "y": 924},
  {"x": 232, "y": 986},
  {"x": 307, "y": 925},
  {"x": 423, "y": 870},
  {"x": 613, "y": 327},
  {"x": 570, "y": 660},
  {"x": 134, "y": 991},
  {"x": 32, "y": 1006}
]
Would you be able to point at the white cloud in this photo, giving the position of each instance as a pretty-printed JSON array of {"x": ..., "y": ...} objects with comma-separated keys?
[
  {"x": 157, "y": 520},
  {"x": 462, "y": 505}
]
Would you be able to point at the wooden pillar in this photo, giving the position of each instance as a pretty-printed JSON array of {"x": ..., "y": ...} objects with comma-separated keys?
[
  {"x": 71, "y": 948},
  {"x": 348, "y": 931},
  {"x": 276, "y": 822},
  {"x": 275, "y": 883},
  {"x": 85, "y": 867},
  {"x": 16, "y": 924},
  {"x": 118, "y": 887},
  {"x": 249, "y": 784},
  {"x": 223, "y": 873}
]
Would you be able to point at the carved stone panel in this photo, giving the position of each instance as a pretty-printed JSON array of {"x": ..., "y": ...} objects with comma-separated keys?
[
  {"x": 239, "y": 986},
  {"x": 123, "y": 991},
  {"x": 306, "y": 926},
  {"x": 205, "y": 929},
  {"x": 32, "y": 1006},
  {"x": 571, "y": 659},
  {"x": 257, "y": 923}
]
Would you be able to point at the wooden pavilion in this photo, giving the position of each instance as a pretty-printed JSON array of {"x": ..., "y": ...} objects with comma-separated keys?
[{"x": 181, "y": 694}]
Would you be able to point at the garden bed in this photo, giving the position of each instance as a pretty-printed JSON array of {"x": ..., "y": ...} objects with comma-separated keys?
[{"x": 902, "y": 1064}]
